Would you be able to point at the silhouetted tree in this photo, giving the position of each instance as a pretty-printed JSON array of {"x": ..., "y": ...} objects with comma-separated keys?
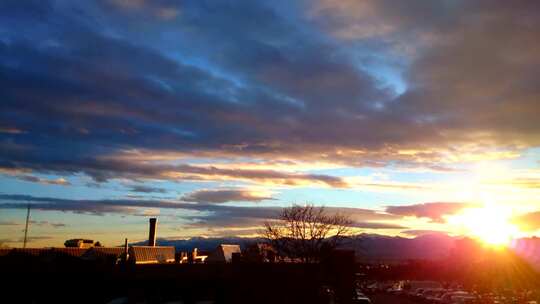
[{"x": 306, "y": 233}]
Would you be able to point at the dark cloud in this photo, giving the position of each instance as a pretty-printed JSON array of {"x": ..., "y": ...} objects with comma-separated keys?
[
  {"x": 224, "y": 195},
  {"x": 146, "y": 189},
  {"x": 432, "y": 211},
  {"x": 103, "y": 169},
  {"x": 89, "y": 80},
  {"x": 471, "y": 73},
  {"x": 218, "y": 222},
  {"x": 211, "y": 215},
  {"x": 271, "y": 176}
]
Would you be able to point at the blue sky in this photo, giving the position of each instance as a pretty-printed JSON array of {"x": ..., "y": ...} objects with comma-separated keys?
[{"x": 213, "y": 115}]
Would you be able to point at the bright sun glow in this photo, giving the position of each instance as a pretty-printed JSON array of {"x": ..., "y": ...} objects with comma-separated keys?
[{"x": 490, "y": 224}]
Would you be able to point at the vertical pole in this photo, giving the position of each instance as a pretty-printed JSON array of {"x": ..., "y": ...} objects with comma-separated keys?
[
  {"x": 26, "y": 227},
  {"x": 126, "y": 250}
]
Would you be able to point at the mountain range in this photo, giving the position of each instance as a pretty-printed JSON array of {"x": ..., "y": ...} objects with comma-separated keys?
[{"x": 366, "y": 246}]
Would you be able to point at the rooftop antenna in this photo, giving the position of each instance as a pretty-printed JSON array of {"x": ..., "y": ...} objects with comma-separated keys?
[{"x": 26, "y": 227}]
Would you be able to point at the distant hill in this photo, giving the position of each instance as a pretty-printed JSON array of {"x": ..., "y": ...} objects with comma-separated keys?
[
  {"x": 368, "y": 246},
  {"x": 202, "y": 243},
  {"x": 529, "y": 250},
  {"x": 429, "y": 246}
]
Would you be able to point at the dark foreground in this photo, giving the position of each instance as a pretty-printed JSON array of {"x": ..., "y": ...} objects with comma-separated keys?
[
  {"x": 389, "y": 299},
  {"x": 30, "y": 279}
]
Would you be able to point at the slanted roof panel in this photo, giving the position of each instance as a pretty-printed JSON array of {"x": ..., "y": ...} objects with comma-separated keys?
[{"x": 150, "y": 254}]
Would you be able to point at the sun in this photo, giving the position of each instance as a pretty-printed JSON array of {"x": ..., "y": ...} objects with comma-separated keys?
[{"x": 490, "y": 224}]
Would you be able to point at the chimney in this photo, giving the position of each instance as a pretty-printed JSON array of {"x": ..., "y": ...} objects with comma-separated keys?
[
  {"x": 126, "y": 254},
  {"x": 152, "y": 232}
]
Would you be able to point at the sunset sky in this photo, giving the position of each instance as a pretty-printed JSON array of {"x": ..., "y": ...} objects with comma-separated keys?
[{"x": 212, "y": 115}]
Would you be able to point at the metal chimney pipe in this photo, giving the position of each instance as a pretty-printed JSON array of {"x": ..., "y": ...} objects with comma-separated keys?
[
  {"x": 126, "y": 250},
  {"x": 152, "y": 232}
]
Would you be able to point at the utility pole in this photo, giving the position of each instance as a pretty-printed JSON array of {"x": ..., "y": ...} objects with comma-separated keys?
[{"x": 26, "y": 228}]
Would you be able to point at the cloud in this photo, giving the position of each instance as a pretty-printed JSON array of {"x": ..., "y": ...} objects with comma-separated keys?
[
  {"x": 285, "y": 88},
  {"x": 157, "y": 9},
  {"x": 128, "y": 206},
  {"x": 149, "y": 212},
  {"x": 9, "y": 223},
  {"x": 269, "y": 176},
  {"x": 521, "y": 182},
  {"x": 22, "y": 174},
  {"x": 528, "y": 221},
  {"x": 235, "y": 232},
  {"x": 32, "y": 239},
  {"x": 29, "y": 239},
  {"x": 34, "y": 223},
  {"x": 232, "y": 221},
  {"x": 209, "y": 215},
  {"x": 451, "y": 39},
  {"x": 146, "y": 189},
  {"x": 104, "y": 169},
  {"x": 35, "y": 179},
  {"x": 376, "y": 225},
  {"x": 420, "y": 232},
  {"x": 216, "y": 221},
  {"x": 385, "y": 185},
  {"x": 225, "y": 195},
  {"x": 47, "y": 224},
  {"x": 425, "y": 84},
  {"x": 433, "y": 211},
  {"x": 9, "y": 130}
]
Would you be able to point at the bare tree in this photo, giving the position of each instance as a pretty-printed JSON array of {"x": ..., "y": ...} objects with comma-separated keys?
[{"x": 306, "y": 233}]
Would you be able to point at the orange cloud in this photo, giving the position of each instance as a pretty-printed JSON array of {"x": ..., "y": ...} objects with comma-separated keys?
[{"x": 433, "y": 211}]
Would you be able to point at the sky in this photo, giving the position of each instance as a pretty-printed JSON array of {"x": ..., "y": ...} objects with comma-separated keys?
[{"x": 214, "y": 115}]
